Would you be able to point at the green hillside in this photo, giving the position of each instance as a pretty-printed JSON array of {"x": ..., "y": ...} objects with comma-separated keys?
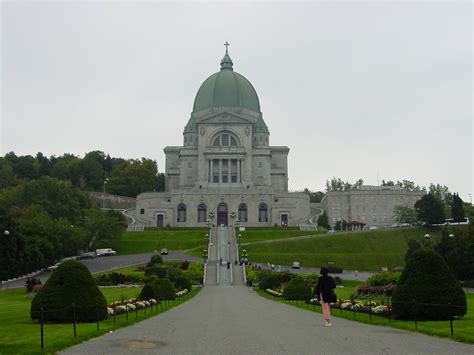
[{"x": 352, "y": 251}]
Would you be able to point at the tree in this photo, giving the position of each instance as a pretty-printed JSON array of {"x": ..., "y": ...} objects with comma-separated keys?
[
  {"x": 413, "y": 245},
  {"x": 323, "y": 220},
  {"x": 427, "y": 289},
  {"x": 457, "y": 209},
  {"x": 70, "y": 283},
  {"x": 457, "y": 251},
  {"x": 404, "y": 214},
  {"x": 430, "y": 209},
  {"x": 388, "y": 183},
  {"x": 441, "y": 192}
]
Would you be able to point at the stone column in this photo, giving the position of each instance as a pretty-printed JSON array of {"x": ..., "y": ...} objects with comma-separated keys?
[
  {"x": 220, "y": 170},
  {"x": 238, "y": 170}
]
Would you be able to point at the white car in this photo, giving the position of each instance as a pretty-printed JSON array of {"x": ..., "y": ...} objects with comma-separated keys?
[
  {"x": 295, "y": 265},
  {"x": 105, "y": 252},
  {"x": 372, "y": 228}
]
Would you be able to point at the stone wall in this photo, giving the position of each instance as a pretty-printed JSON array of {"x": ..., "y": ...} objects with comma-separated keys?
[{"x": 112, "y": 201}]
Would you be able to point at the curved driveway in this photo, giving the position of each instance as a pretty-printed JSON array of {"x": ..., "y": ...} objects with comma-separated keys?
[
  {"x": 108, "y": 263},
  {"x": 234, "y": 320}
]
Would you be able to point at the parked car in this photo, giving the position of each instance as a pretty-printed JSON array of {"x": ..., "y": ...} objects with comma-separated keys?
[
  {"x": 372, "y": 228},
  {"x": 89, "y": 255},
  {"x": 295, "y": 265},
  {"x": 244, "y": 261},
  {"x": 164, "y": 251},
  {"x": 53, "y": 267},
  {"x": 105, "y": 252}
]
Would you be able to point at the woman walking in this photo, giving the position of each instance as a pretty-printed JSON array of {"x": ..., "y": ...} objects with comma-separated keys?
[{"x": 326, "y": 295}]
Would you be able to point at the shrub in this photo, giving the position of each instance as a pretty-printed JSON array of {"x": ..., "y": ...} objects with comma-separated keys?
[
  {"x": 427, "y": 280},
  {"x": 173, "y": 273},
  {"x": 337, "y": 280},
  {"x": 271, "y": 281},
  {"x": 195, "y": 273},
  {"x": 297, "y": 289},
  {"x": 184, "y": 265},
  {"x": 155, "y": 271},
  {"x": 333, "y": 269},
  {"x": 182, "y": 283},
  {"x": 155, "y": 259},
  {"x": 147, "y": 293},
  {"x": 164, "y": 289},
  {"x": 33, "y": 284},
  {"x": 365, "y": 290},
  {"x": 116, "y": 278},
  {"x": 383, "y": 278},
  {"x": 70, "y": 283}
]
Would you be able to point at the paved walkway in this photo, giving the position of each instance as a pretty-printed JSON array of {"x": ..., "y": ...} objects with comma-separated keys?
[{"x": 235, "y": 320}]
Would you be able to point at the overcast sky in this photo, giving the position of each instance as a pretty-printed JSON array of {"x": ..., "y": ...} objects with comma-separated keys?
[{"x": 353, "y": 88}]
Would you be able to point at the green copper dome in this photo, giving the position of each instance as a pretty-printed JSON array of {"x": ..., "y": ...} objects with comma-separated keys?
[{"x": 226, "y": 88}]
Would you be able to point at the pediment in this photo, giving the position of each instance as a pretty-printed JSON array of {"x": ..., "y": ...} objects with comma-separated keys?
[{"x": 225, "y": 118}]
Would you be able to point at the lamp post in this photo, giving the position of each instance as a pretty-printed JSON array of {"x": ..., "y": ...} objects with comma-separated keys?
[{"x": 103, "y": 198}]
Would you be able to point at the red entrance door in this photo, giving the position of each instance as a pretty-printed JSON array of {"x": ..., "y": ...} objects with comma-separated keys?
[{"x": 222, "y": 214}]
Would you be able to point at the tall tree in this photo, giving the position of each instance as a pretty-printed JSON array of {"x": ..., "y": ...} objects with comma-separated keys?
[
  {"x": 323, "y": 220},
  {"x": 430, "y": 209},
  {"x": 441, "y": 192},
  {"x": 457, "y": 208},
  {"x": 404, "y": 214}
]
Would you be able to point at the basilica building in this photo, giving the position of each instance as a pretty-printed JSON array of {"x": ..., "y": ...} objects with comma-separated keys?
[{"x": 226, "y": 169}]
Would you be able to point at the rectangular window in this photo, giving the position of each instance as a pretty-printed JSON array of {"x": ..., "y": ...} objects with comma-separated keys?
[
  {"x": 215, "y": 178},
  {"x": 234, "y": 177},
  {"x": 225, "y": 140},
  {"x": 224, "y": 177}
]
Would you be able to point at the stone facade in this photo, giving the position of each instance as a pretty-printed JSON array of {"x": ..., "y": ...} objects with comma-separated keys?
[
  {"x": 225, "y": 170},
  {"x": 372, "y": 205}
]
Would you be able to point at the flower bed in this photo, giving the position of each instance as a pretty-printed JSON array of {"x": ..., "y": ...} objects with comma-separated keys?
[
  {"x": 131, "y": 305},
  {"x": 182, "y": 293},
  {"x": 274, "y": 293},
  {"x": 378, "y": 309}
]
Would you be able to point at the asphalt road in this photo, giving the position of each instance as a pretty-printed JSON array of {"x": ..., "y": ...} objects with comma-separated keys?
[
  {"x": 107, "y": 263},
  {"x": 235, "y": 320}
]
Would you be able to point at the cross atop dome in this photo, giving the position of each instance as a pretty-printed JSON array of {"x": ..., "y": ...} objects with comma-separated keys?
[{"x": 226, "y": 62}]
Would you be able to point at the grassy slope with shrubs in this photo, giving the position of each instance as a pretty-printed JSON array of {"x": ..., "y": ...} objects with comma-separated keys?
[
  {"x": 155, "y": 239},
  {"x": 352, "y": 251}
]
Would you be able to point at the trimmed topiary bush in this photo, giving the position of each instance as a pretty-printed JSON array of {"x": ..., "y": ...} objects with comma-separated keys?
[
  {"x": 428, "y": 281},
  {"x": 164, "y": 289},
  {"x": 271, "y": 281},
  {"x": 182, "y": 283},
  {"x": 155, "y": 259},
  {"x": 70, "y": 283},
  {"x": 147, "y": 293},
  {"x": 297, "y": 289},
  {"x": 156, "y": 271}
]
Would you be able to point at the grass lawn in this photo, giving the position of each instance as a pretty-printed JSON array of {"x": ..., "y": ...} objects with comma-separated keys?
[
  {"x": 262, "y": 234},
  {"x": 19, "y": 334},
  {"x": 463, "y": 328},
  {"x": 352, "y": 251},
  {"x": 155, "y": 239}
]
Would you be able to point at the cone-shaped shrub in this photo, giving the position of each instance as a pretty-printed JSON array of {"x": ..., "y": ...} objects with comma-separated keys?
[
  {"x": 164, "y": 289},
  {"x": 427, "y": 289},
  {"x": 147, "y": 293},
  {"x": 182, "y": 283},
  {"x": 70, "y": 283},
  {"x": 297, "y": 289},
  {"x": 271, "y": 281}
]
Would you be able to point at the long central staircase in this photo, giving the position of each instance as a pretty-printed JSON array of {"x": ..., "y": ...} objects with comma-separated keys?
[{"x": 222, "y": 266}]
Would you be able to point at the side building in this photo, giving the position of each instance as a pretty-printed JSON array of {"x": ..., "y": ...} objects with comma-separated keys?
[{"x": 369, "y": 206}]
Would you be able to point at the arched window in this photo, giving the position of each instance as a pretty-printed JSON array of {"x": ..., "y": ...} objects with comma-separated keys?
[
  {"x": 243, "y": 212},
  {"x": 225, "y": 140},
  {"x": 263, "y": 213},
  {"x": 202, "y": 212},
  {"x": 181, "y": 213},
  {"x": 142, "y": 211}
]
